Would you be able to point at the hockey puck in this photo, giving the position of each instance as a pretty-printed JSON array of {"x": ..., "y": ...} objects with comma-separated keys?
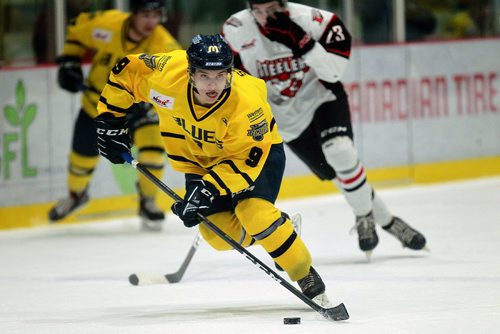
[
  {"x": 133, "y": 279},
  {"x": 291, "y": 321}
]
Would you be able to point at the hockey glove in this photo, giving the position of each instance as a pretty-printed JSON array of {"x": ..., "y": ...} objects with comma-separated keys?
[
  {"x": 199, "y": 196},
  {"x": 282, "y": 29},
  {"x": 113, "y": 138},
  {"x": 70, "y": 75}
]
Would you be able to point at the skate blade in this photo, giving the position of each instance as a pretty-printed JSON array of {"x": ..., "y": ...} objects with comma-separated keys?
[{"x": 368, "y": 255}]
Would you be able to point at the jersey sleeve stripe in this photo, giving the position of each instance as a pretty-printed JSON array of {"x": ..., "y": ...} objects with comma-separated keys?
[
  {"x": 182, "y": 159},
  {"x": 345, "y": 54},
  {"x": 116, "y": 85},
  {"x": 78, "y": 43},
  {"x": 90, "y": 87},
  {"x": 342, "y": 48},
  {"x": 152, "y": 166},
  {"x": 112, "y": 107},
  {"x": 273, "y": 123},
  {"x": 151, "y": 148},
  {"x": 172, "y": 135}
]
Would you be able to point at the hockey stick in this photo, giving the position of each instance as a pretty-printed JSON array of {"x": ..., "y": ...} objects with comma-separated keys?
[
  {"x": 148, "y": 279},
  {"x": 336, "y": 313}
]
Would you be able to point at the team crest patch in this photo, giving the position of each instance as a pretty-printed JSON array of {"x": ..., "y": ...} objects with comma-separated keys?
[
  {"x": 102, "y": 35},
  {"x": 150, "y": 61},
  {"x": 257, "y": 131},
  {"x": 162, "y": 61},
  {"x": 161, "y": 100}
]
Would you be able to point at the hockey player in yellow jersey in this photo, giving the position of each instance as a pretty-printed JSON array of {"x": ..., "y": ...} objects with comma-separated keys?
[
  {"x": 111, "y": 35},
  {"x": 218, "y": 129}
]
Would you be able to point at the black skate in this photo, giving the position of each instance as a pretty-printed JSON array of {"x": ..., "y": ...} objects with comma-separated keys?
[
  {"x": 68, "y": 205},
  {"x": 151, "y": 216},
  {"x": 297, "y": 226},
  {"x": 367, "y": 234},
  {"x": 313, "y": 287},
  {"x": 408, "y": 236}
]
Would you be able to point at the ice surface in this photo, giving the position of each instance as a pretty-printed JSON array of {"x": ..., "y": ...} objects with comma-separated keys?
[{"x": 73, "y": 278}]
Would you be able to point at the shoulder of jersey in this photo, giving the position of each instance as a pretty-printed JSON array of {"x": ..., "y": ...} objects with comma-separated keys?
[
  {"x": 250, "y": 86},
  {"x": 238, "y": 28},
  {"x": 247, "y": 79},
  {"x": 109, "y": 19},
  {"x": 239, "y": 18},
  {"x": 111, "y": 16},
  {"x": 158, "y": 61},
  {"x": 315, "y": 19}
]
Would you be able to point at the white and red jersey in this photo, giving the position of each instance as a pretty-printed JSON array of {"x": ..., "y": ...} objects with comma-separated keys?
[{"x": 297, "y": 86}]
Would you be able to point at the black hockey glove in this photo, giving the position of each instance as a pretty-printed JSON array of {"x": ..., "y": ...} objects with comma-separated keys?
[
  {"x": 283, "y": 30},
  {"x": 70, "y": 75},
  {"x": 113, "y": 138},
  {"x": 199, "y": 196}
]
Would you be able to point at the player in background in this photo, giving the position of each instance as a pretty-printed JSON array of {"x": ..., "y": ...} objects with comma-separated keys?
[
  {"x": 218, "y": 129},
  {"x": 302, "y": 52},
  {"x": 111, "y": 35}
]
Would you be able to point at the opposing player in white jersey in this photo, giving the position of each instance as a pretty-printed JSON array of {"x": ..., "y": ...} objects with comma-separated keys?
[{"x": 301, "y": 52}]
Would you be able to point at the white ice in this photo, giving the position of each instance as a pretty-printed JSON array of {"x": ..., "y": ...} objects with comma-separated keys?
[{"x": 73, "y": 278}]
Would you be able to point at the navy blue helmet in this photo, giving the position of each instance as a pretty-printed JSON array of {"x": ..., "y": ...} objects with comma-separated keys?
[{"x": 209, "y": 52}]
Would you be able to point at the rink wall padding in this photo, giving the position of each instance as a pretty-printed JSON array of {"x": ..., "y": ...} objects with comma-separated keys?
[
  {"x": 422, "y": 112},
  {"x": 294, "y": 186}
]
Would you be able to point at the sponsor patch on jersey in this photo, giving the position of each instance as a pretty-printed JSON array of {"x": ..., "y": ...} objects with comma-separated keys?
[
  {"x": 102, "y": 35},
  {"x": 257, "y": 131},
  {"x": 149, "y": 60},
  {"x": 317, "y": 16},
  {"x": 253, "y": 116},
  {"x": 163, "y": 101}
]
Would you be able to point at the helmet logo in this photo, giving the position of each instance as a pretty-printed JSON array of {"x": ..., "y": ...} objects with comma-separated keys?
[{"x": 213, "y": 49}]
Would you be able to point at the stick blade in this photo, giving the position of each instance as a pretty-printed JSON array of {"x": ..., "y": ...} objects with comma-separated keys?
[
  {"x": 147, "y": 279},
  {"x": 337, "y": 313},
  {"x": 174, "y": 278}
]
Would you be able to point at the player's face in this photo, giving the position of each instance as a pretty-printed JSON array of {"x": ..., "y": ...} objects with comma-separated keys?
[
  {"x": 145, "y": 21},
  {"x": 263, "y": 10},
  {"x": 209, "y": 85}
]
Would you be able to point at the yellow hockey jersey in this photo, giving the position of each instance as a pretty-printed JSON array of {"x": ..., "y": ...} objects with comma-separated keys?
[
  {"x": 227, "y": 143},
  {"x": 105, "y": 34}
]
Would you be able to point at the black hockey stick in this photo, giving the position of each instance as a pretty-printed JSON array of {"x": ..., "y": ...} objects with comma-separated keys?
[
  {"x": 147, "y": 279},
  {"x": 336, "y": 313}
]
